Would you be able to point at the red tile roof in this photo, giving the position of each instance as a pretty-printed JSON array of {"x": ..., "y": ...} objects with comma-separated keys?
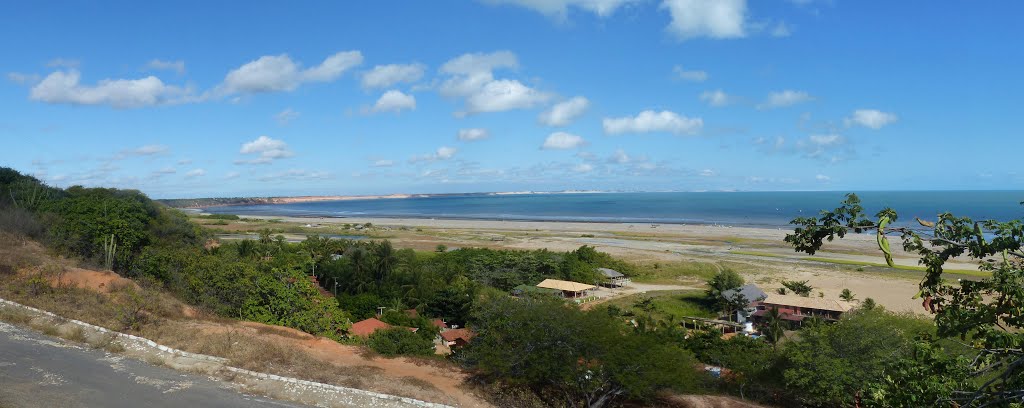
[
  {"x": 439, "y": 323},
  {"x": 365, "y": 328},
  {"x": 455, "y": 334}
]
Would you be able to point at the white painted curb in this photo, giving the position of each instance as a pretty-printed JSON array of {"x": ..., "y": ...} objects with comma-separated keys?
[{"x": 383, "y": 398}]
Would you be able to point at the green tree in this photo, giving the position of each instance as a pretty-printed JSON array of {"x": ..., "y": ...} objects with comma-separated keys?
[
  {"x": 987, "y": 311},
  {"x": 396, "y": 341},
  {"x": 847, "y": 295},
  {"x": 798, "y": 287},
  {"x": 588, "y": 358}
]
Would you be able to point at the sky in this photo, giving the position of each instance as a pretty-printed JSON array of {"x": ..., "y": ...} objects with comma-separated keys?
[{"x": 259, "y": 98}]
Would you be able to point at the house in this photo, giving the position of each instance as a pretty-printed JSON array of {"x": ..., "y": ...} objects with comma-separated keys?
[
  {"x": 316, "y": 284},
  {"x": 572, "y": 290},
  {"x": 440, "y": 324},
  {"x": 613, "y": 278},
  {"x": 364, "y": 328},
  {"x": 796, "y": 308},
  {"x": 753, "y": 294},
  {"x": 457, "y": 337}
]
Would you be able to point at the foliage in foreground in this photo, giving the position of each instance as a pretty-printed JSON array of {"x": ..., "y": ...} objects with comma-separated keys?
[
  {"x": 590, "y": 359},
  {"x": 985, "y": 314}
]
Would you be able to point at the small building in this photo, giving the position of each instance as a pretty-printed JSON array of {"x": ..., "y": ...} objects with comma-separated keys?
[
  {"x": 440, "y": 324},
  {"x": 796, "y": 308},
  {"x": 753, "y": 294},
  {"x": 571, "y": 290},
  {"x": 613, "y": 278},
  {"x": 457, "y": 337},
  {"x": 364, "y": 328}
]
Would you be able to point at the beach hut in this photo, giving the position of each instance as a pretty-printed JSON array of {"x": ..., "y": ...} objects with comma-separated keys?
[
  {"x": 613, "y": 278},
  {"x": 573, "y": 290}
]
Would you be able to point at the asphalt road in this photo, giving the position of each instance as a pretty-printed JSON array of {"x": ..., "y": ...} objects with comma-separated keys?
[{"x": 41, "y": 371}]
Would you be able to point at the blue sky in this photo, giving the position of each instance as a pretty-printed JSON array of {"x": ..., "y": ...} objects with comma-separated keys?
[{"x": 267, "y": 98}]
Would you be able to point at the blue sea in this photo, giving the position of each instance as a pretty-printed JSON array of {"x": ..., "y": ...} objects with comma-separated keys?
[{"x": 761, "y": 209}]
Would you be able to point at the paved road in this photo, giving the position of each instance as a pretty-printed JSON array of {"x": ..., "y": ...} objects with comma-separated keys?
[{"x": 41, "y": 371}]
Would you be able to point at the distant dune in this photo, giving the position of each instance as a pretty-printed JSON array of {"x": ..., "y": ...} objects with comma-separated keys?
[{"x": 226, "y": 201}]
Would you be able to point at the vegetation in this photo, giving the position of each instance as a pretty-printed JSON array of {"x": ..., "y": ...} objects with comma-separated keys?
[
  {"x": 798, "y": 287},
  {"x": 984, "y": 313},
  {"x": 396, "y": 341}
]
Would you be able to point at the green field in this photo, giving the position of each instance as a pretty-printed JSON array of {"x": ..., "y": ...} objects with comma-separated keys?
[{"x": 668, "y": 304}]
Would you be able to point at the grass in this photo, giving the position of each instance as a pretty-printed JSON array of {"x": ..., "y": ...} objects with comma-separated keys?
[
  {"x": 668, "y": 304},
  {"x": 915, "y": 268},
  {"x": 674, "y": 272}
]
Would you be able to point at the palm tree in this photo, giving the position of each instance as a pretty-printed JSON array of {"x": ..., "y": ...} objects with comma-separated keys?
[
  {"x": 774, "y": 326},
  {"x": 847, "y": 295},
  {"x": 386, "y": 261}
]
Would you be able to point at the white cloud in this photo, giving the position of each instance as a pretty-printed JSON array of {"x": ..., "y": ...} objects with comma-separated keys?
[
  {"x": 651, "y": 121},
  {"x": 176, "y": 66},
  {"x": 442, "y": 153},
  {"x": 583, "y": 168},
  {"x": 562, "y": 140},
  {"x": 785, "y": 98},
  {"x": 563, "y": 113},
  {"x": 560, "y": 8},
  {"x": 823, "y": 178},
  {"x": 781, "y": 30},
  {"x": 393, "y": 101},
  {"x": 871, "y": 118},
  {"x": 472, "y": 78},
  {"x": 473, "y": 134},
  {"x": 22, "y": 79},
  {"x": 232, "y": 175},
  {"x": 383, "y": 76},
  {"x": 704, "y": 18},
  {"x": 64, "y": 87},
  {"x": 195, "y": 173},
  {"x": 147, "y": 150},
  {"x": 267, "y": 149},
  {"x": 826, "y": 140},
  {"x": 276, "y": 73},
  {"x": 708, "y": 173},
  {"x": 184, "y": 161},
  {"x": 286, "y": 116},
  {"x": 166, "y": 170},
  {"x": 695, "y": 76},
  {"x": 717, "y": 98},
  {"x": 63, "y": 63},
  {"x": 620, "y": 157},
  {"x": 383, "y": 163}
]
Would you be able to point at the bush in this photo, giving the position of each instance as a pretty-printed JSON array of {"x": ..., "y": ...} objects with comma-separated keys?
[{"x": 399, "y": 341}]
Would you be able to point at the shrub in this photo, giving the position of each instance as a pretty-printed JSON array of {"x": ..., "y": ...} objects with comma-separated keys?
[{"x": 399, "y": 341}]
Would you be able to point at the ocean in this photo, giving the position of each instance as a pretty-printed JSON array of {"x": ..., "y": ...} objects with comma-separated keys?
[{"x": 758, "y": 209}]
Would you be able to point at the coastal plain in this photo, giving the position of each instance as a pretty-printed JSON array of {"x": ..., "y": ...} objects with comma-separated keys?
[{"x": 664, "y": 254}]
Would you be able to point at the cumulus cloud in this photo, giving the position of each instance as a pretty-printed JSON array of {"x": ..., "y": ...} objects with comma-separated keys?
[
  {"x": 471, "y": 78},
  {"x": 871, "y": 118},
  {"x": 384, "y": 76},
  {"x": 695, "y": 76},
  {"x": 708, "y": 173},
  {"x": 64, "y": 87},
  {"x": 702, "y": 18},
  {"x": 22, "y": 79},
  {"x": 473, "y": 134},
  {"x": 442, "y": 153},
  {"x": 383, "y": 163},
  {"x": 716, "y": 98},
  {"x": 785, "y": 98},
  {"x": 563, "y": 113},
  {"x": 562, "y": 140},
  {"x": 277, "y": 73},
  {"x": 559, "y": 9},
  {"x": 286, "y": 116},
  {"x": 266, "y": 150},
  {"x": 620, "y": 157},
  {"x": 195, "y": 173},
  {"x": 393, "y": 101},
  {"x": 651, "y": 121},
  {"x": 232, "y": 175},
  {"x": 823, "y": 178},
  {"x": 176, "y": 66}
]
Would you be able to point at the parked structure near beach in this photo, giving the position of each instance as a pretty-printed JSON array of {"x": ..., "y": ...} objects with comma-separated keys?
[
  {"x": 613, "y": 278},
  {"x": 572, "y": 290},
  {"x": 797, "y": 308}
]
